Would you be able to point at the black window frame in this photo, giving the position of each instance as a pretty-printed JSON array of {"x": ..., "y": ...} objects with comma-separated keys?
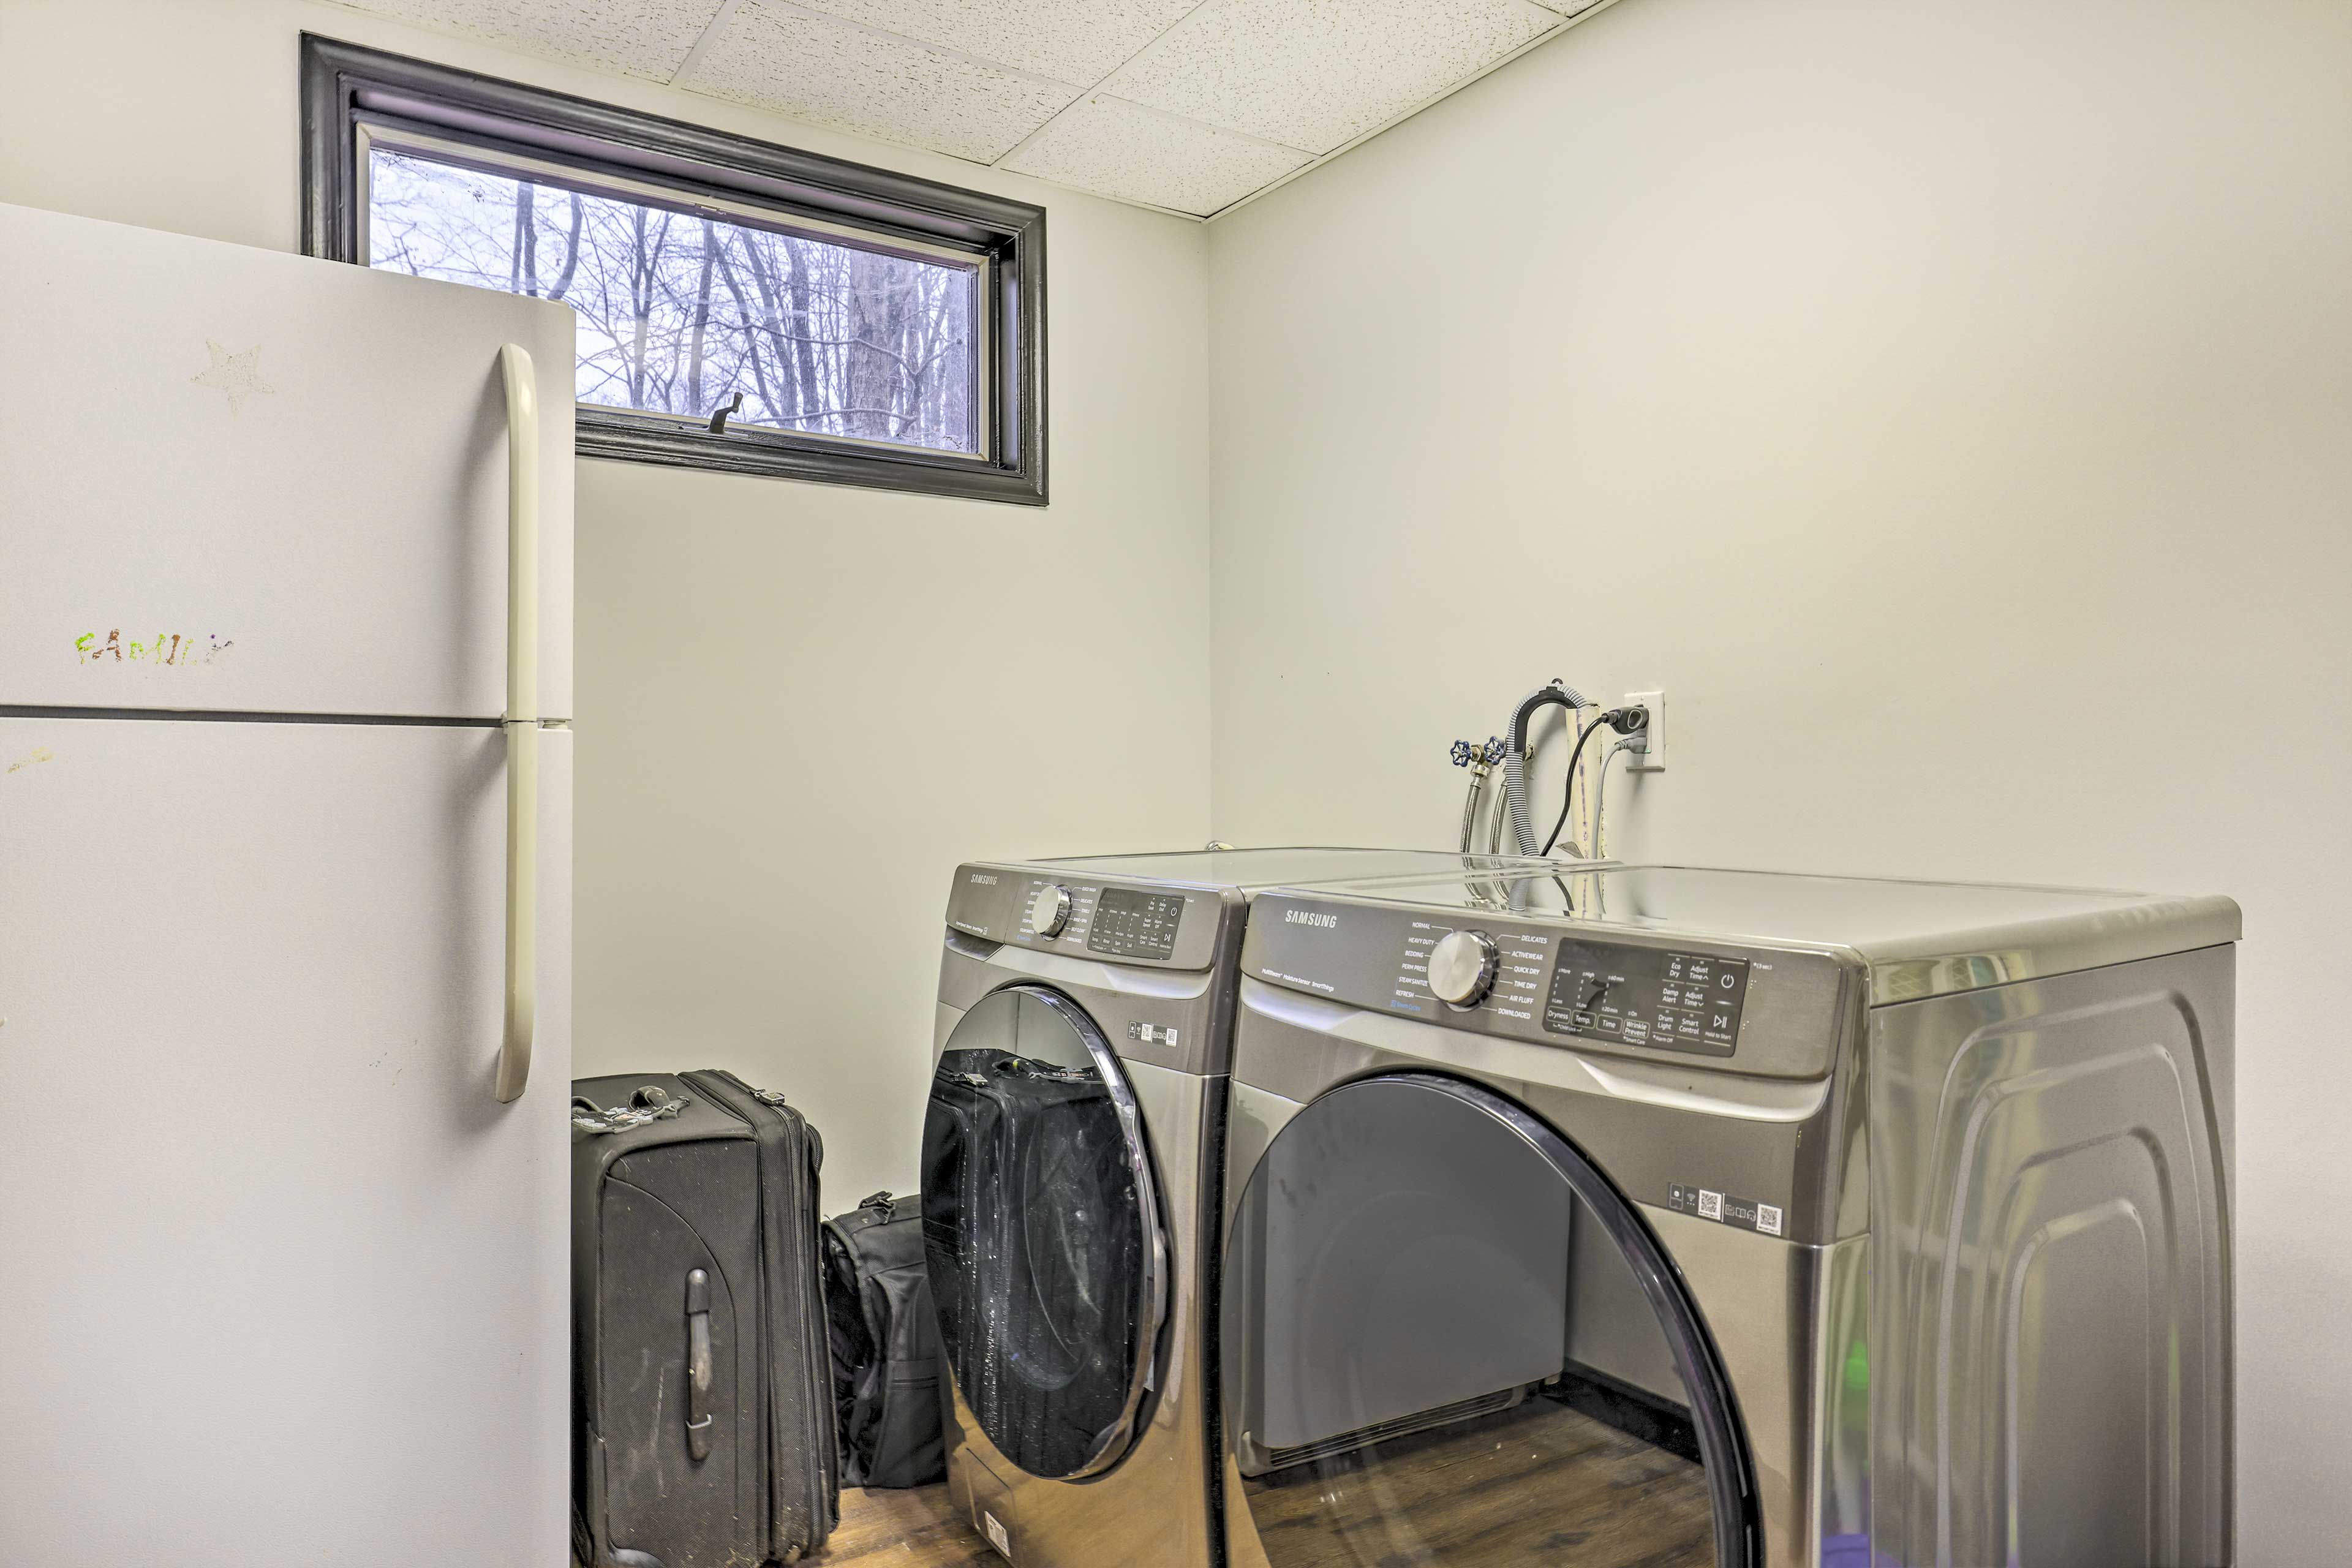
[{"x": 343, "y": 84}]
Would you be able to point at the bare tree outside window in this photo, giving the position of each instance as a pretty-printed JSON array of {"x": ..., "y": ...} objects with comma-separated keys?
[
  {"x": 680, "y": 313},
  {"x": 744, "y": 307}
]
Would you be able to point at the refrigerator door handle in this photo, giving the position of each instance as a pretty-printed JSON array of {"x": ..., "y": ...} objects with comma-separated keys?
[{"x": 522, "y": 723}]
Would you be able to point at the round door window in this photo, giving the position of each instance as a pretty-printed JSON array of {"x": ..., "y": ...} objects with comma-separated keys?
[
  {"x": 1041, "y": 1231},
  {"x": 1448, "y": 1341}
]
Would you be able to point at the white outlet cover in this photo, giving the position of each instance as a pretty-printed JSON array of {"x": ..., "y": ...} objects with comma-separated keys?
[{"x": 1653, "y": 760}]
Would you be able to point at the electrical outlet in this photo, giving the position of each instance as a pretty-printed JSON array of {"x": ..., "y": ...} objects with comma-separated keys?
[{"x": 1653, "y": 761}]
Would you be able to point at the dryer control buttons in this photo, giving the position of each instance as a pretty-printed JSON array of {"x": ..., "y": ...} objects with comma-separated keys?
[
  {"x": 1049, "y": 912},
  {"x": 1131, "y": 923},
  {"x": 1462, "y": 967},
  {"x": 1648, "y": 997}
]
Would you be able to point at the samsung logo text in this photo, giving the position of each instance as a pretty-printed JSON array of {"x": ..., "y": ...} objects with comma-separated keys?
[{"x": 1309, "y": 918}]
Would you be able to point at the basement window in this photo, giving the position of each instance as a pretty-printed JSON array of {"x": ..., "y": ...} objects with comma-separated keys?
[{"x": 741, "y": 305}]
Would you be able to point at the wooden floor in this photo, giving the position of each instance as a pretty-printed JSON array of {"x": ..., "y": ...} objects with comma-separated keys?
[
  {"x": 1538, "y": 1485},
  {"x": 914, "y": 1529}
]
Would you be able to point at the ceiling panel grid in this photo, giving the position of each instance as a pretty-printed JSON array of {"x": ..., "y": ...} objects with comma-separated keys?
[{"x": 1189, "y": 106}]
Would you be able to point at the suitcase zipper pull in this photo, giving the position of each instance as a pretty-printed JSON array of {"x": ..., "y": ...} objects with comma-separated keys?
[
  {"x": 651, "y": 1104},
  {"x": 1046, "y": 1072}
]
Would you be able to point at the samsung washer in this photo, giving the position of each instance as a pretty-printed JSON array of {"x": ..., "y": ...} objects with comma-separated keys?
[
  {"x": 1679, "y": 1216},
  {"x": 1071, "y": 1152}
]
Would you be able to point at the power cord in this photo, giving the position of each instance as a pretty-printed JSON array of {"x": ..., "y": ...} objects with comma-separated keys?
[
  {"x": 1625, "y": 722},
  {"x": 1569, "y": 793},
  {"x": 1637, "y": 745}
]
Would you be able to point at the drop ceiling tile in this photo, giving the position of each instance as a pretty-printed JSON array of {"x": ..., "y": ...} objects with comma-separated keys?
[
  {"x": 650, "y": 38},
  {"x": 1076, "y": 41},
  {"x": 1119, "y": 149},
  {"x": 815, "y": 68},
  {"x": 1319, "y": 73}
]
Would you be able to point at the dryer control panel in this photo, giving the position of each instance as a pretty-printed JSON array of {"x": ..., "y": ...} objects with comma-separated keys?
[
  {"x": 1135, "y": 922},
  {"x": 1156, "y": 927},
  {"x": 1646, "y": 995},
  {"x": 1755, "y": 1008}
]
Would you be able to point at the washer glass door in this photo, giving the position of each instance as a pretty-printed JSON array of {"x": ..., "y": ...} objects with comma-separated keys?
[
  {"x": 1042, "y": 1233},
  {"x": 1449, "y": 1341}
]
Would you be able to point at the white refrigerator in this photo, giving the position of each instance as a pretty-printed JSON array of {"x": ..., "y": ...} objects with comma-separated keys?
[{"x": 285, "y": 894}]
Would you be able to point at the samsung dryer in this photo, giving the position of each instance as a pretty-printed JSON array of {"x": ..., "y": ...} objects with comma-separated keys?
[
  {"x": 1072, "y": 1152},
  {"x": 1681, "y": 1216}
]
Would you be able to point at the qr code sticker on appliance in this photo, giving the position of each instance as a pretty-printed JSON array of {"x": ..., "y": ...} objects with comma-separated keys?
[
  {"x": 1710, "y": 1205},
  {"x": 1767, "y": 1219}
]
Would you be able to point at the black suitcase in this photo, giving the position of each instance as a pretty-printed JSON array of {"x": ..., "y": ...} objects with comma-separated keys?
[
  {"x": 886, "y": 1346},
  {"x": 702, "y": 1408}
]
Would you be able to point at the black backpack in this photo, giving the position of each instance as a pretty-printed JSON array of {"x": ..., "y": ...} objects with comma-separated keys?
[{"x": 886, "y": 1346}]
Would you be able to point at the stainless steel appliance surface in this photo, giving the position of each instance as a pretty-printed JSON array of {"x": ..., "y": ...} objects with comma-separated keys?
[
  {"x": 1071, "y": 1158},
  {"x": 1667, "y": 1215}
]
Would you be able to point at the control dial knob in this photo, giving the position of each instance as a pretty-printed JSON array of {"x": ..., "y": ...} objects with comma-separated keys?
[
  {"x": 1462, "y": 967},
  {"x": 1049, "y": 912}
]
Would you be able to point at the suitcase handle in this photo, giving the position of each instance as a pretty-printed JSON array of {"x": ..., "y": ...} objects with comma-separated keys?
[{"x": 698, "y": 1365}]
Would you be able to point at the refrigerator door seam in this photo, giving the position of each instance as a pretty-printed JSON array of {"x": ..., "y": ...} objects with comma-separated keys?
[{"x": 219, "y": 716}]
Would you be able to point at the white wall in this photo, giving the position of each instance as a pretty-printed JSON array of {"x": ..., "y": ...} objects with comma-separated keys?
[
  {"x": 799, "y": 706},
  {"x": 1951, "y": 406}
]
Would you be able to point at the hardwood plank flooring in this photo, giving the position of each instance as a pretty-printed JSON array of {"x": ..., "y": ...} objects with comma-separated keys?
[
  {"x": 1541, "y": 1484},
  {"x": 1538, "y": 1485},
  {"x": 918, "y": 1528}
]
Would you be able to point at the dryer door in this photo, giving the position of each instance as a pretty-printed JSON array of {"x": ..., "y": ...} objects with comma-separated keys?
[
  {"x": 1041, "y": 1228},
  {"x": 1448, "y": 1340}
]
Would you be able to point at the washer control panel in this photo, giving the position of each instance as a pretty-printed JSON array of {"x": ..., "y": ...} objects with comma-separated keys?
[
  {"x": 1509, "y": 976},
  {"x": 1646, "y": 996},
  {"x": 1049, "y": 912},
  {"x": 1755, "y": 1008}
]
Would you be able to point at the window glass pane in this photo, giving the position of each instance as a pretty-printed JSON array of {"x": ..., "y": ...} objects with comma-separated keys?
[{"x": 680, "y": 312}]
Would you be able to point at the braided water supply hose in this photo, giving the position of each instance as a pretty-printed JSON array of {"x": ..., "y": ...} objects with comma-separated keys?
[{"x": 1480, "y": 761}]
